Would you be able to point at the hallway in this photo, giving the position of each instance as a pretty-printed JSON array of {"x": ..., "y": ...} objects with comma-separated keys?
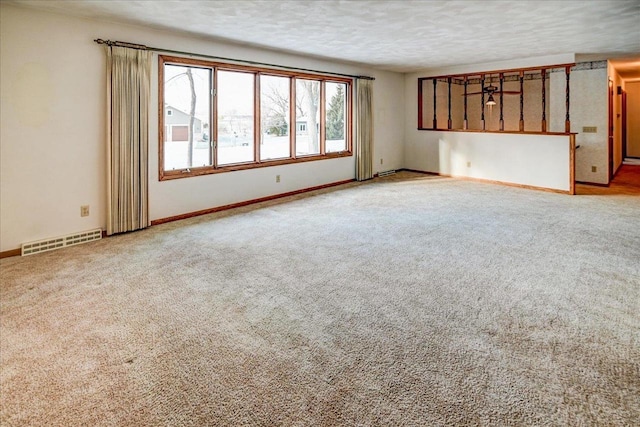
[{"x": 625, "y": 182}]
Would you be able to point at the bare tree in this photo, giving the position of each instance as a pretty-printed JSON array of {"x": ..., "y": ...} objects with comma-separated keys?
[
  {"x": 192, "y": 112},
  {"x": 275, "y": 114},
  {"x": 192, "y": 116},
  {"x": 311, "y": 98},
  {"x": 306, "y": 105}
]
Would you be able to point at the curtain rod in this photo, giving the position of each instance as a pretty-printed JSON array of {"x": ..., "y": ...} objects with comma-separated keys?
[{"x": 221, "y": 58}]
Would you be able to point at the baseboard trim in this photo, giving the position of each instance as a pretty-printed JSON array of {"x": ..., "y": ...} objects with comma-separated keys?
[
  {"x": 247, "y": 202},
  {"x": 422, "y": 172},
  {"x": 490, "y": 181},
  {"x": 10, "y": 253},
  {"x": 596, "y": 184}
]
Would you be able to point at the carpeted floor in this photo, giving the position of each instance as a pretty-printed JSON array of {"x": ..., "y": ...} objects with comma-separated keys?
[{"x": 409, "y": 300}]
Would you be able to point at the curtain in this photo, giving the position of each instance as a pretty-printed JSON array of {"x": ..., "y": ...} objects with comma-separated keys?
[
  {"x": 128, "y": 87},
  {"x": 364, "y": 129}
]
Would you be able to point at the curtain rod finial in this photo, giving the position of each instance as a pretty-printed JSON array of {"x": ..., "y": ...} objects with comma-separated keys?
[{"x": 101, "y": 41}]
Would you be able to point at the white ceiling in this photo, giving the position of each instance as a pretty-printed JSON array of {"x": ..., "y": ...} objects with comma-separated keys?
[{"x": 393, "y": 35}]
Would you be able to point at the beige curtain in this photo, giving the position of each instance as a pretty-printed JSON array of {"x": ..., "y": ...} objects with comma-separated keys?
[
  {"x": 128, "y": 86},
  {"x": 364, "y": 129}
]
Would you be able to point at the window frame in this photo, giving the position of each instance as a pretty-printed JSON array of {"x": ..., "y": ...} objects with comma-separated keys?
[{"x": 213, "y": 119}]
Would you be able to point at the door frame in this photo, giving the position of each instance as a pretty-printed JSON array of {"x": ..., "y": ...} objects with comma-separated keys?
[
  {"x": 610, "y": 134},
  {"x": 624, "y": 125}
]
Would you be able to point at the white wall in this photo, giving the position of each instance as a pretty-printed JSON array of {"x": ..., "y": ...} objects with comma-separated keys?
[
  {"x": 52, "y": 147},
  {"x": 388, "y": 114},
  {"x": 532, "y": 160},
  {"x": 588, "y": 107}
]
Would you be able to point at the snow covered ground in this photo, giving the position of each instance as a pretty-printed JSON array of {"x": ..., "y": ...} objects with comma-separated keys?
[{"x": 239, "y": 150}]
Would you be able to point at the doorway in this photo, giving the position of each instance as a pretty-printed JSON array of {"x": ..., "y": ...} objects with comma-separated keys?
[{"x": 630, "y": 117}]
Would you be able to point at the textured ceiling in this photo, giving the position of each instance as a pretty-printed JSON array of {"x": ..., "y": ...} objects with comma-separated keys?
[{"x": 394, "y": 35}]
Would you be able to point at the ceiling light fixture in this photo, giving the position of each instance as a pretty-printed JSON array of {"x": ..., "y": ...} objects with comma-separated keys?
[{"x": 491, "y": 101}]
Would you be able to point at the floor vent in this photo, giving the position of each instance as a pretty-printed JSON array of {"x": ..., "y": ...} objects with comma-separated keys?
[
  {"x": 61, "y": 242},
  {"x": 386, "y": 173}
]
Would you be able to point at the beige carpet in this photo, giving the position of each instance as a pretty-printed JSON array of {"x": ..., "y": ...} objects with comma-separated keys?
[{"x": 410, "y": 301}]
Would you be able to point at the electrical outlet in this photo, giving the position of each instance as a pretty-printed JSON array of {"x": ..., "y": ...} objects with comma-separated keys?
[
  {"x": 468, "y": 164},
  {"x": 277, "y": 178},
  {"x": 594, "y": 169},
  {"x": 84, "y": 210},
  {"x": 381, "y": 161}
]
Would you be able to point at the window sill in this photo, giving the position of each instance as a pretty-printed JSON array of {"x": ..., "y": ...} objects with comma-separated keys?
[{"x": 209, "y": 170}]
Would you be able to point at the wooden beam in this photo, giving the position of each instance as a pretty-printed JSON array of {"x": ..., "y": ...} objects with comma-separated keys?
[
  {"x": 501, "y": 101},
  {"x": 420, "y": 102},
  {"x": 490, "y": 72},
  {"x": 567, "y": 121},
  {"x": 544, "y": 101},
  {"x": 482, "y": 101},
  {"x": 435, "y": 119},
  {"x": 449, "y": 103},
  {"x": 521, "y": 127},
  {"x": 465, "y": 123}
]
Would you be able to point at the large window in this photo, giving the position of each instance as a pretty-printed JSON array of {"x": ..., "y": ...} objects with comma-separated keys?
[{"x": 221, "y": 117}]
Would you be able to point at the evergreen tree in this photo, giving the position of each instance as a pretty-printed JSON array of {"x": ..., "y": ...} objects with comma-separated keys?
[{"x": 335, "y": 116}]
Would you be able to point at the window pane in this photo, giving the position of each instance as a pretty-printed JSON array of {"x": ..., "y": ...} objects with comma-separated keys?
[
  {"x": 307, "y": 117},
  {"x": 187, "y": 109},
  {"x": 235, "y": 117},
  {"x": 274, "y": 117},
  {"x": 335, "y": 130}
]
